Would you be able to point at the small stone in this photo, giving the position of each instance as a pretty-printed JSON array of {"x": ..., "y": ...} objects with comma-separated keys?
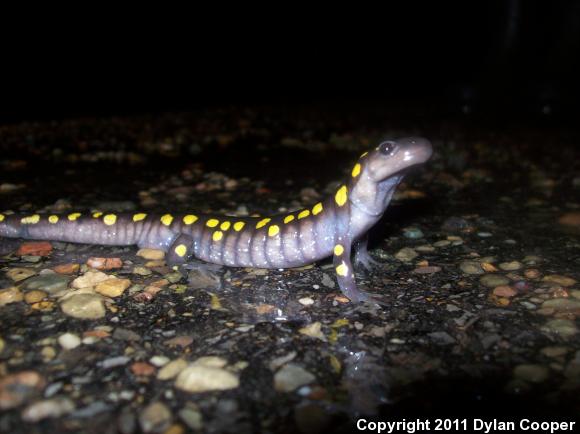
[
  {"x": 69, "y": 341},
  {"x": 155, "y": 418},
  {"x": 562, "y": 327},
  {"x": 199, "y": 378},
  {"x": 84, "y": 306},
  {"x": 441, "y": 243},
  {"x": 488, "y": 268},
  {"x": 122, "y": 334},
  {"x": 406, "y": 254},
  {"x": 570, "y": 219},
  {"x": 555, "y": 352},
  {"x": 142, "y": 369},
  {"x": 510, "y": 266},
  {"x": 412, "y": 233},
  {"x": 90, "y": 278},
  {"x": 67, "y": 268},
  {"x": 171, "y": 369},
  {"x": 306, "y": 301},
  {"x": 456, "y": 224},
  {"x": 159, "y": 361},
  {"x": 471, "y": 267},
  {"x": 19, "y": 274},
  {"x": 559, "y": 280},
  {"x": 142, "y": 271},
  {"x": 425, "y": 248},
  {"x": 566, "y": 305},
  {"x": 291, "y": 377},
  {"x": 493, "y": 280},
  {"x": 34, "y": 296},
  {"x": 10, "y": 295},
  {"x": 531, "y": 373},
  {"x": 112, "y": 287},
  {"x": 16, "y": 389},
  {"x": 427, "y": 270},
  {"x": 532, "y": 273},
  {"x": 105, "y": 263},
  {"x": 151, "y": 254},
  {"x": 40, "y": 248},
  {"x": 504, "y": 291},
  {"x": 48, "y": 409},
  {"x": 192, "y": 418},
  {"x": 50, "y": 283},
  {"x": 313, "y": 330},
  {"x": 199, "y": 278}
]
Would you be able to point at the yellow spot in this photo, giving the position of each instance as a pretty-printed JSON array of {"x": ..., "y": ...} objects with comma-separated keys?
[
  {"x": 303, "y": 214},
  {"x": 110, "y": 219},
  {"x": 288, "y": 218},
  {"x": 342, "y": 269},
  {"x": 97, "y": 214},
  {"x": 30, "y": 220},
  {"x": 356, "y": 170},
  {"x": 212, "y": 223},
  {"x": 262, "y": 223},
  {"x": 1, "y": 217},
  {"x": 338, "y": 250},
  {"x": 189, "y": 219},
  {"x": 53, "y": 219},
  {"x": 217, "y": 235},
  {"x": 341, "y": 196},
  {"x": 238, "y": 226},
  {"x": 363, "y": 154},
  {"x": 139, "y": 217},
  {"x": 317, "y": 209},
  {"x": 166, "y": 219},
  {"x": 273, "y": 230},
  {"x": 181, "y": 250},
  {"x": 75, "y": 215},
  {"x": 225, "y": 226}
]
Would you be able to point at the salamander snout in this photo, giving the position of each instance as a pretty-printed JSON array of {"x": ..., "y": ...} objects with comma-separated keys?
[{"x": 394, "y": 156}]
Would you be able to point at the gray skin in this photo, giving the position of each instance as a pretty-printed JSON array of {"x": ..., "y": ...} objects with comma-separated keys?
[{"x": 275, "y": 244}]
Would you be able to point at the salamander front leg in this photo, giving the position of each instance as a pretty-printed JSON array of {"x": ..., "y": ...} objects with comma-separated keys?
[
  {"x": 180, "y": 250},
  {"x": 345, "y": 273},
  {"x": 362, "y": 256}
]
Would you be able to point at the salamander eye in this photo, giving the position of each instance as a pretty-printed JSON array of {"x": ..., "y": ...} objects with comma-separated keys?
[{"x": 388, "y": 148}]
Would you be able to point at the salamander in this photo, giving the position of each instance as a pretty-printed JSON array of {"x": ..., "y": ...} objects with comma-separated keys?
[{"x": 333, "y": 227}]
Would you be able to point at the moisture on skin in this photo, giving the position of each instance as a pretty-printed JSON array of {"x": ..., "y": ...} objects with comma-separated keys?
[{"x": 329, "y": 228}]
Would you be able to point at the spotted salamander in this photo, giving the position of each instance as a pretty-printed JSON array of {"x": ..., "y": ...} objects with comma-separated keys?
[{"x": 331, "y": 227}]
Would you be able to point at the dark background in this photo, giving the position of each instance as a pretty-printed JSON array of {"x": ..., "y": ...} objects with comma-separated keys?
[{"x": 506, "y": 59}]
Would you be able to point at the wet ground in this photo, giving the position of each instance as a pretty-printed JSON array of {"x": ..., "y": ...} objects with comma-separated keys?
[{"x": 479, "y": 257}]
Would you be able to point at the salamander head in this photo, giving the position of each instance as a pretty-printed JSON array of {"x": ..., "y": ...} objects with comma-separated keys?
[
  {"x": 394, "y": 156},
  {"x": 378, "y": 172}
]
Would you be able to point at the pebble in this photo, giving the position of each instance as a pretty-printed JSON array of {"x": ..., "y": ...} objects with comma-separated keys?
[
  {"x": 203, "y": 279},
  {"x": 504, "y": 291},
  {"x": 425, "y": 248},
  {"x": 412, "y": 233},
  {"x": 19, "y": 274},
  {"x": 155, "y": 418},
  {"x": 427, "y": 270},
  {"x": 112, "y": 287},
  {"x": 84, "y": 306},
  {"x": 69, "y": 341},
  {"x": 40, "y": 248},
  {"x": 105, "y": 263},
  {"x": 171, "y": 369},
  {"x": 484, "y": 234},
  {"x": 566, "y": 305},
  {"x": 456, "y": 224},
  {"x": 34, "y": 296},
  {"x": 531, "y": 373},
  {"x": 90, "y": 278},
  {"x": 570, "y": 219},
  {"x": 122, "y": 334},
  {"x": 48, "y": 409},
  {"x": 328, "y": 281},
  {"x": 16, "y": 389},
  {"x": 10, "y": 295},
  {"x": 159, "y": 361},
  {"x": 559, "y": 280},
  {"x": 562, "y": 327},
  {"x": 113, "y": 362},
  {"x": 471, "y": 267},
  {"x": 71, "y": 268},
  {"x": 532, "y": 273},
  {"x": 406, "y": 254},
  {"x": 142, "y": 271},
  {"x": 192, "y": 418},
  {"x": 204, "y": 378},
  {"x": 291, "y": 377},
  {"x": 306, "y": 301},
  {"x": 151, "y": 254},
  {"x": 442, "y": 243},
  {"x": 142, "y": 369},
  {"x": 493, "y": 280},
  {"x": 510, "y": 266},
  {"x": 50, "y": 283},
  {"x": 313, "y": 330},
  {"x": 554, "y": 352}
]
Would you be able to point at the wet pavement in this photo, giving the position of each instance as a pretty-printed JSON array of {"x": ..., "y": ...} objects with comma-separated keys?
[{"x": 479, "y": 259}]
